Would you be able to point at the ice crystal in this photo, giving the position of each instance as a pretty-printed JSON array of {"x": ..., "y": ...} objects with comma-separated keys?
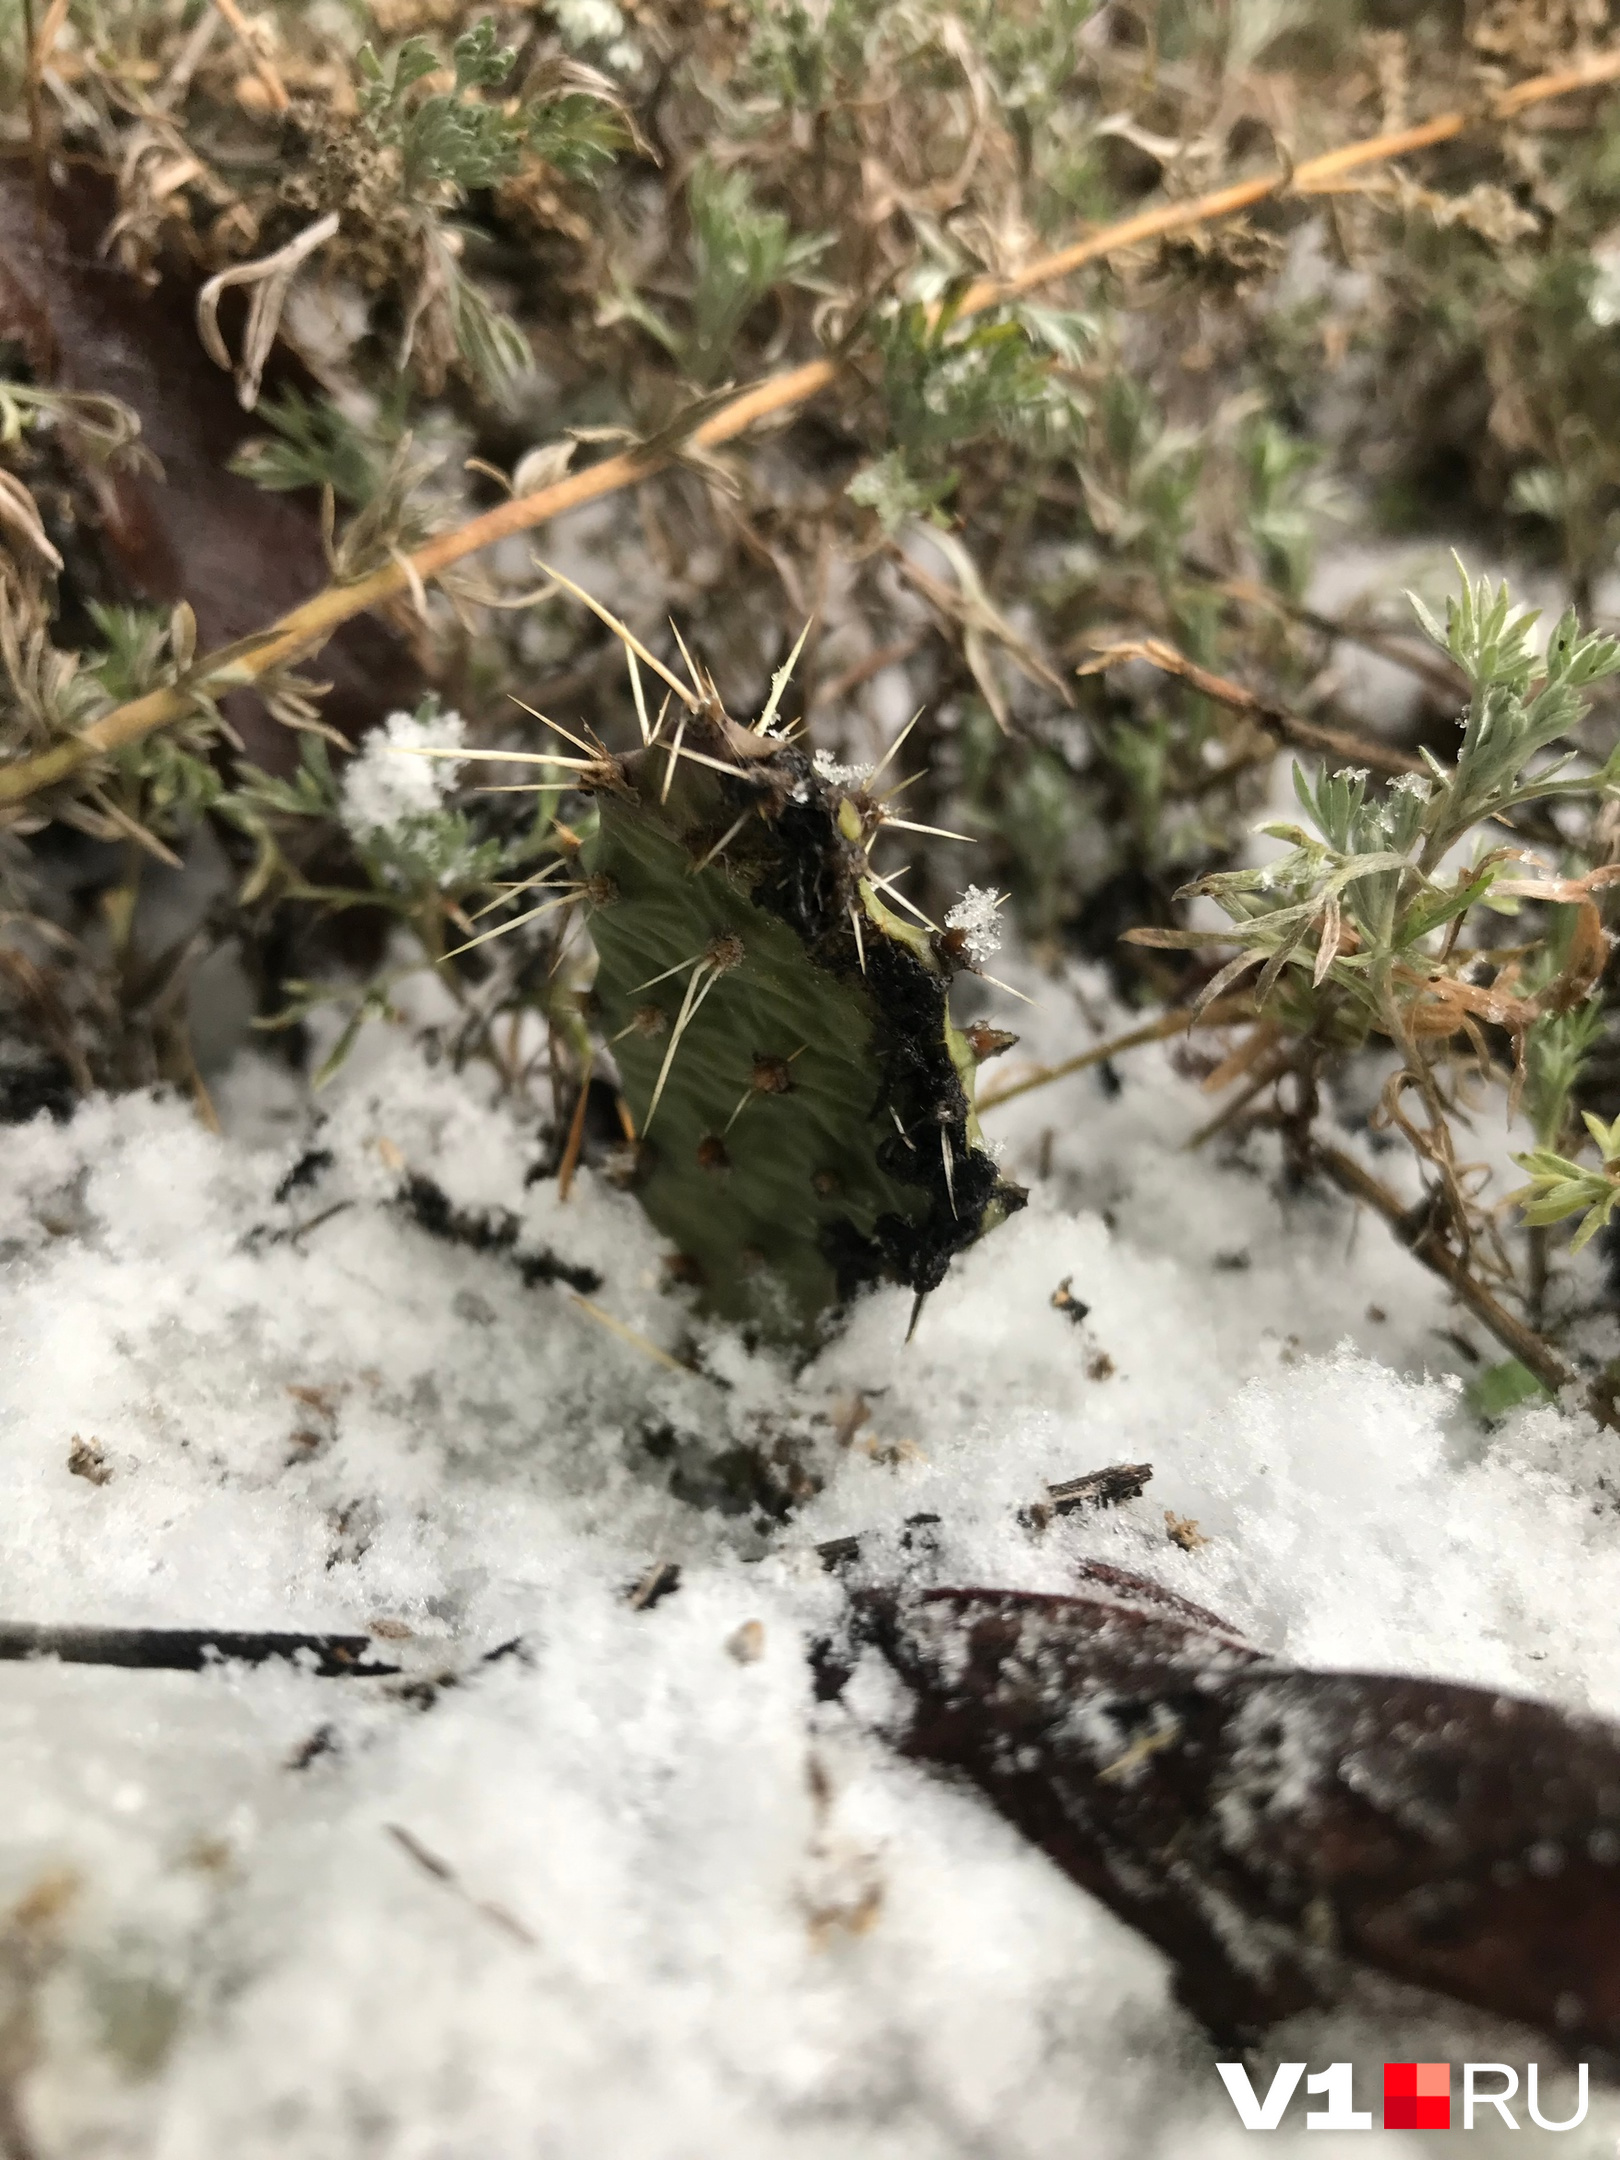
[{"x": 975, "y": 916}]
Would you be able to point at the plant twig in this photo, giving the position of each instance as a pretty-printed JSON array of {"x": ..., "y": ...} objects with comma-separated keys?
[
  {"x": 1438, "y": 675},
  {"x": 306, "y": 628},
  {"x": 1222, "y": 1013},
  {"x": 576, "y": 1132},
  {"x": 1098, "y": 1489},
  {"x": 189, "y": 1649},
  {"x": 274, "y": 88},
  {"x": 440, "y": 1871},
  {"x": 629, "y": 1335},
  {"x": 1416, "y": 1232},
  {"x": 1339, "y": 742},
  {"x": 36, "y": 119},
  {"x": 1279, "y": 1062}
]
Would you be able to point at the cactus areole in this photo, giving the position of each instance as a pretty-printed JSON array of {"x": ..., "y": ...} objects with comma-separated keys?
[{"x": 803, "y": 1104}]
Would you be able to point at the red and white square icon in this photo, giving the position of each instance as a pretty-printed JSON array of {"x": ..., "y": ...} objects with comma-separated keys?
[{"x": 1417, "y": 2096}]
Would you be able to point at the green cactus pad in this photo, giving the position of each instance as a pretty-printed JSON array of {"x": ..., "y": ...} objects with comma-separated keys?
[{"x": 855, "y": 1156}]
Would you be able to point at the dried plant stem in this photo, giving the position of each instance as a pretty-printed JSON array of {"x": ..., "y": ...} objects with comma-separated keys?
[
  {"x": 1415, "y": 1229},
  {"x": 1271, "y": 1069},
  {"x": 1438, "y": 675},
  {"x": 576, "y": 1131},
  {"x": 274, "y": 88},
  {"x": 442, "y": 1872},
  {"x": 1338, "y": 742},
  {"x": 629, "y": 1335},
  {"x": 1223, "y": 1013},
  {"x": 36, "y": 118},
  {"x": 305, "y": 629},
  {"x": 191, "y": 1649}
]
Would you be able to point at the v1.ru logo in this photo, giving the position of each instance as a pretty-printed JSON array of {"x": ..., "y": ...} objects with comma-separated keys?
[{"x": 1417, "y": 2096}]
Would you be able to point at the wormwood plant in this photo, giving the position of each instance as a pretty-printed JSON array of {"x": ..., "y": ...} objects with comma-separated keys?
[
  {"x": 1380, "y": 917},
  {"x": 946, "y": 383},
  {"x": 430, "y": 149},
  {"x": 430, "y": 865},
  {"x": 740, "y": 252}
]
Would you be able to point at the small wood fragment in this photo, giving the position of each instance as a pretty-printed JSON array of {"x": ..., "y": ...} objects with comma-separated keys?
[
  {"x": 1065, "y": 1301},
  {"x": 1097, "y": 1489},
  {"x": 661, "y": 1580},
  {"x": 86, "y": 1460}
]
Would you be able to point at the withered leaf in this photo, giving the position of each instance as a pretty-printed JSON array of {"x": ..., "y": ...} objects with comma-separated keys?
[
  {"x": 1270, "y": 1828},
  {"x": 238, "y": 555}
]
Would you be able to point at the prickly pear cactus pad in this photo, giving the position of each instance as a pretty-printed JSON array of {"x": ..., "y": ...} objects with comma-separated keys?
[{"x": 803, "y": 1104}]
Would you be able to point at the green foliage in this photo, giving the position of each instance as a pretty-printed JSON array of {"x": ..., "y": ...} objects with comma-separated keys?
[
  {"x": 1025, "y": 797},
  {"x": 441, "y": 851},
  {"x": 1559, "y": 1188},
  {"x": 1140, "y": 478},
  {"x": 451, "y": 139},
  {"x": 577, "y": 133},
  {"x": 136, "y": 650},
  {"x": 447, "y": 138},
  {"x": 430, "y": 870},
  {"x": 411, "y": 864},
  {"x": 452, "y": 142},
  {"x": 1029, "y": 49},
  {"x": 1280, "y": 515},
  {"x": 176, "y": 785},
  {"x": 1559, "y": 1049},
  {"x": 104, "y": 426},
  {"x": 741, "y": 252},
  {"x": 945, "y": 382},
  {"x": 1559, "y": 1045},
  {"x": 492, "y": 346},
  {"x": 311, "y": 791},
  {"x": 260, "y": 804},
  {"x": 811, "y": 59},
  {"x": 370, "y": 1001},
  {"x": 893, "y": 490},
  {"x": 1359, "y": 902},
  {"x": 805, "y": 59},
  {"x": 1504, "y": 1387},
  {"x": 1506, "y": 728},
  {"x": 314, "y": 444}
]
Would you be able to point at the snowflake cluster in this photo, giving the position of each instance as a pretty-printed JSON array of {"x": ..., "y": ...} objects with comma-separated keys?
[
  {"x": 975, "y": 916},
  {"x": 383, "y": 789},
  {"x": 844, "y": 776}
]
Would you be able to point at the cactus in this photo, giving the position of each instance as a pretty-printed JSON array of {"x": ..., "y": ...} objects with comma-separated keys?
[{"x": 802, "y": 1102}]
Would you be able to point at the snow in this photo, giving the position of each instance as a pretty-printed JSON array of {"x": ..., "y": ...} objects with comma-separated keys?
[
  {"x": 383, "y": 789},
  {"x": 631, "y": 1889},
  {"x": 837, "y": 775},
  {"x": 975, "y": 915}
]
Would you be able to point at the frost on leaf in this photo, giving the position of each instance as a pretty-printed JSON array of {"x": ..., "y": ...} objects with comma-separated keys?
[{"x": 1272, "y": 1829}]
